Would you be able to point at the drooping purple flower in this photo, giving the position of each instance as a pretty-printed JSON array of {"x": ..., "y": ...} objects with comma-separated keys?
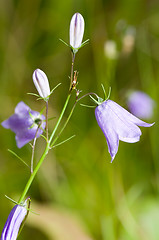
[
  {"x": 140, "y": 104},
  {"x": 41, "y": 83},
  {"x": 118, "y": 124},
  {"x": 14, "y": 221},
  {"x": 76, "y": 30},
  {"x": 25, "y": 123}
]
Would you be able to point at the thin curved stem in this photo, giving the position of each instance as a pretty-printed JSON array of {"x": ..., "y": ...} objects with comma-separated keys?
[
  {"x": 72, "y": 66},
  {"x": 33, "y": 174},
  {"x": 47, "y": 136},
  {"x": 65, "y": 124},
  {"x": 71, "y": 112},
  {"x": 85, "y": 95},
  {"x": 33, "y": 150},
  {"x": 49, "y": 141}
]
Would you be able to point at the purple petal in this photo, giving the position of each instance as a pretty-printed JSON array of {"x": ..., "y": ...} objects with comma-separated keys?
[
  {"x": 22, "y": 123},
  {"x": 25, "y": 136},
  {"x": 118, "y": 124},
  {"x": 126, "y": 130},
  {"x": 22, "y": 108},
  {"x": 104, "y": 117},
  {"x": 13, "y": 223},
  {"x": 124, "y": 114}
]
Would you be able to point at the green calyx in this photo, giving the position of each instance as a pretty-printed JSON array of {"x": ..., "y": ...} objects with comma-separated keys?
[{"x": 100, "y": 100}]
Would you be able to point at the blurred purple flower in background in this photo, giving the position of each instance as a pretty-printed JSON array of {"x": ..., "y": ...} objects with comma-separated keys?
[
  {"x": 140, "y": 104},
  {"x": 118, "y": 124},
  {"x": 13, "y": 223},
  {"x": 25, "y": 123}
]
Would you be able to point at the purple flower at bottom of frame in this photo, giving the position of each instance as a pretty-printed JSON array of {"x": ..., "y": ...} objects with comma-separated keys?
[
  {"x": 13, "y": 223},
  {"x": 118, "y": 124},
  {"x": 140, "y": 104},
  {"x": 25, "y": 123}
]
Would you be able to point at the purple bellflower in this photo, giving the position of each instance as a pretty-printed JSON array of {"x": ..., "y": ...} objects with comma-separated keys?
[
  {"x": 76, "y": 31},
  {"x": 14, "y": 221},
  {"x": 118, "y": 124},
  {"x": 25, "y": 123},
  {"x": 140, "y": 104},
  {"x": 41, "y": 83}
]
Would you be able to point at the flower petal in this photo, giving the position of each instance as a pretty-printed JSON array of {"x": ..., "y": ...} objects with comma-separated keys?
[
  {"x": 23, "y": 124},
  {"x": 22, "y": 108},
  {"x": 104, "y": 117},
  {"x": 118, "y": 124},
  {"x": 126, "y": 130},
  {"x": 124, "y": 114},
  {"x": 13, "y": 223}
]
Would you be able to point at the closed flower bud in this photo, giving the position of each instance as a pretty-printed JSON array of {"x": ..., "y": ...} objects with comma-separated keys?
[
  {"x": 14, "y": 222},
  {"x": 41, "y": 83},
  {"x": 76, "y": 30}
]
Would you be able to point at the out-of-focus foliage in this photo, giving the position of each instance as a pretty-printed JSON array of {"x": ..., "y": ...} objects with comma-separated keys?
[{"x": 109, "y": 201}]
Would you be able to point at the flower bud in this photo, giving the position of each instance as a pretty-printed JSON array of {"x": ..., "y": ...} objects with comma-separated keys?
[
  {"x": 76, "y": 30},
  {"x": 41, "y": 83},
  {"x": 14, "y": 221},
  {"x": 110, "y": 49}
]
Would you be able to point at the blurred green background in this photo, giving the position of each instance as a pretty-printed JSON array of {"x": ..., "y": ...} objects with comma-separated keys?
[{"x": 77, "y": 192}]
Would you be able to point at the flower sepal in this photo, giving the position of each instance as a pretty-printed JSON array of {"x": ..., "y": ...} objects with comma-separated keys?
[
  {"x": 100, "y": 100},
  {"x": 75, "y": 50}
]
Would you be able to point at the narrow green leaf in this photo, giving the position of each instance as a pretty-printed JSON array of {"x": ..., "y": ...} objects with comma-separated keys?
[
  {"x": 64, "y": 42},
  {"x": 18, "y": 157},
  {"x": 55, "y": 88},
  {"x": 11, "y": 199},
  {"x": 66, "y": 140}
]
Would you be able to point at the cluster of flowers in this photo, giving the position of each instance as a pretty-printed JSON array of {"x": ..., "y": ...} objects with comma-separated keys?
[{"x": 115, "y": 122}]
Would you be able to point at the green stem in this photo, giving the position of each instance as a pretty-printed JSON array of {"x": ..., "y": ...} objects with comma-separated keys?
[
  {"x": 34, "y": 174},
  {"x": 33, "y": 150},
  {"x": 72, "y": 66},
  {"x": 64, "y": 125},
  {"x": 59, "y": 120},
  {"x": 44, "y": 154},
  {"x": 47, "y": 136},
  {"x": 71, "y": 112},
  {"x": 48, "y": 145}
]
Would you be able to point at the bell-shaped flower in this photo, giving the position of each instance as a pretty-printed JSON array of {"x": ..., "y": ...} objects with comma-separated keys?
[
  {"x": 140, "y": 104},
  {"x": 41, "y": 83},
  {"x": 76, "y": 31},
  {"x": 25, "y": 123},
  {"x": 118, "y": 124},
  {"x": 14, "y": 222}
]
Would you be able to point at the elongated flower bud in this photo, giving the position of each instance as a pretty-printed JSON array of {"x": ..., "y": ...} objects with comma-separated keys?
[
  {"x": 14, "y": 221},
  {"x": 76, "y": 30},
  {"x": 41, "y": 83}
]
